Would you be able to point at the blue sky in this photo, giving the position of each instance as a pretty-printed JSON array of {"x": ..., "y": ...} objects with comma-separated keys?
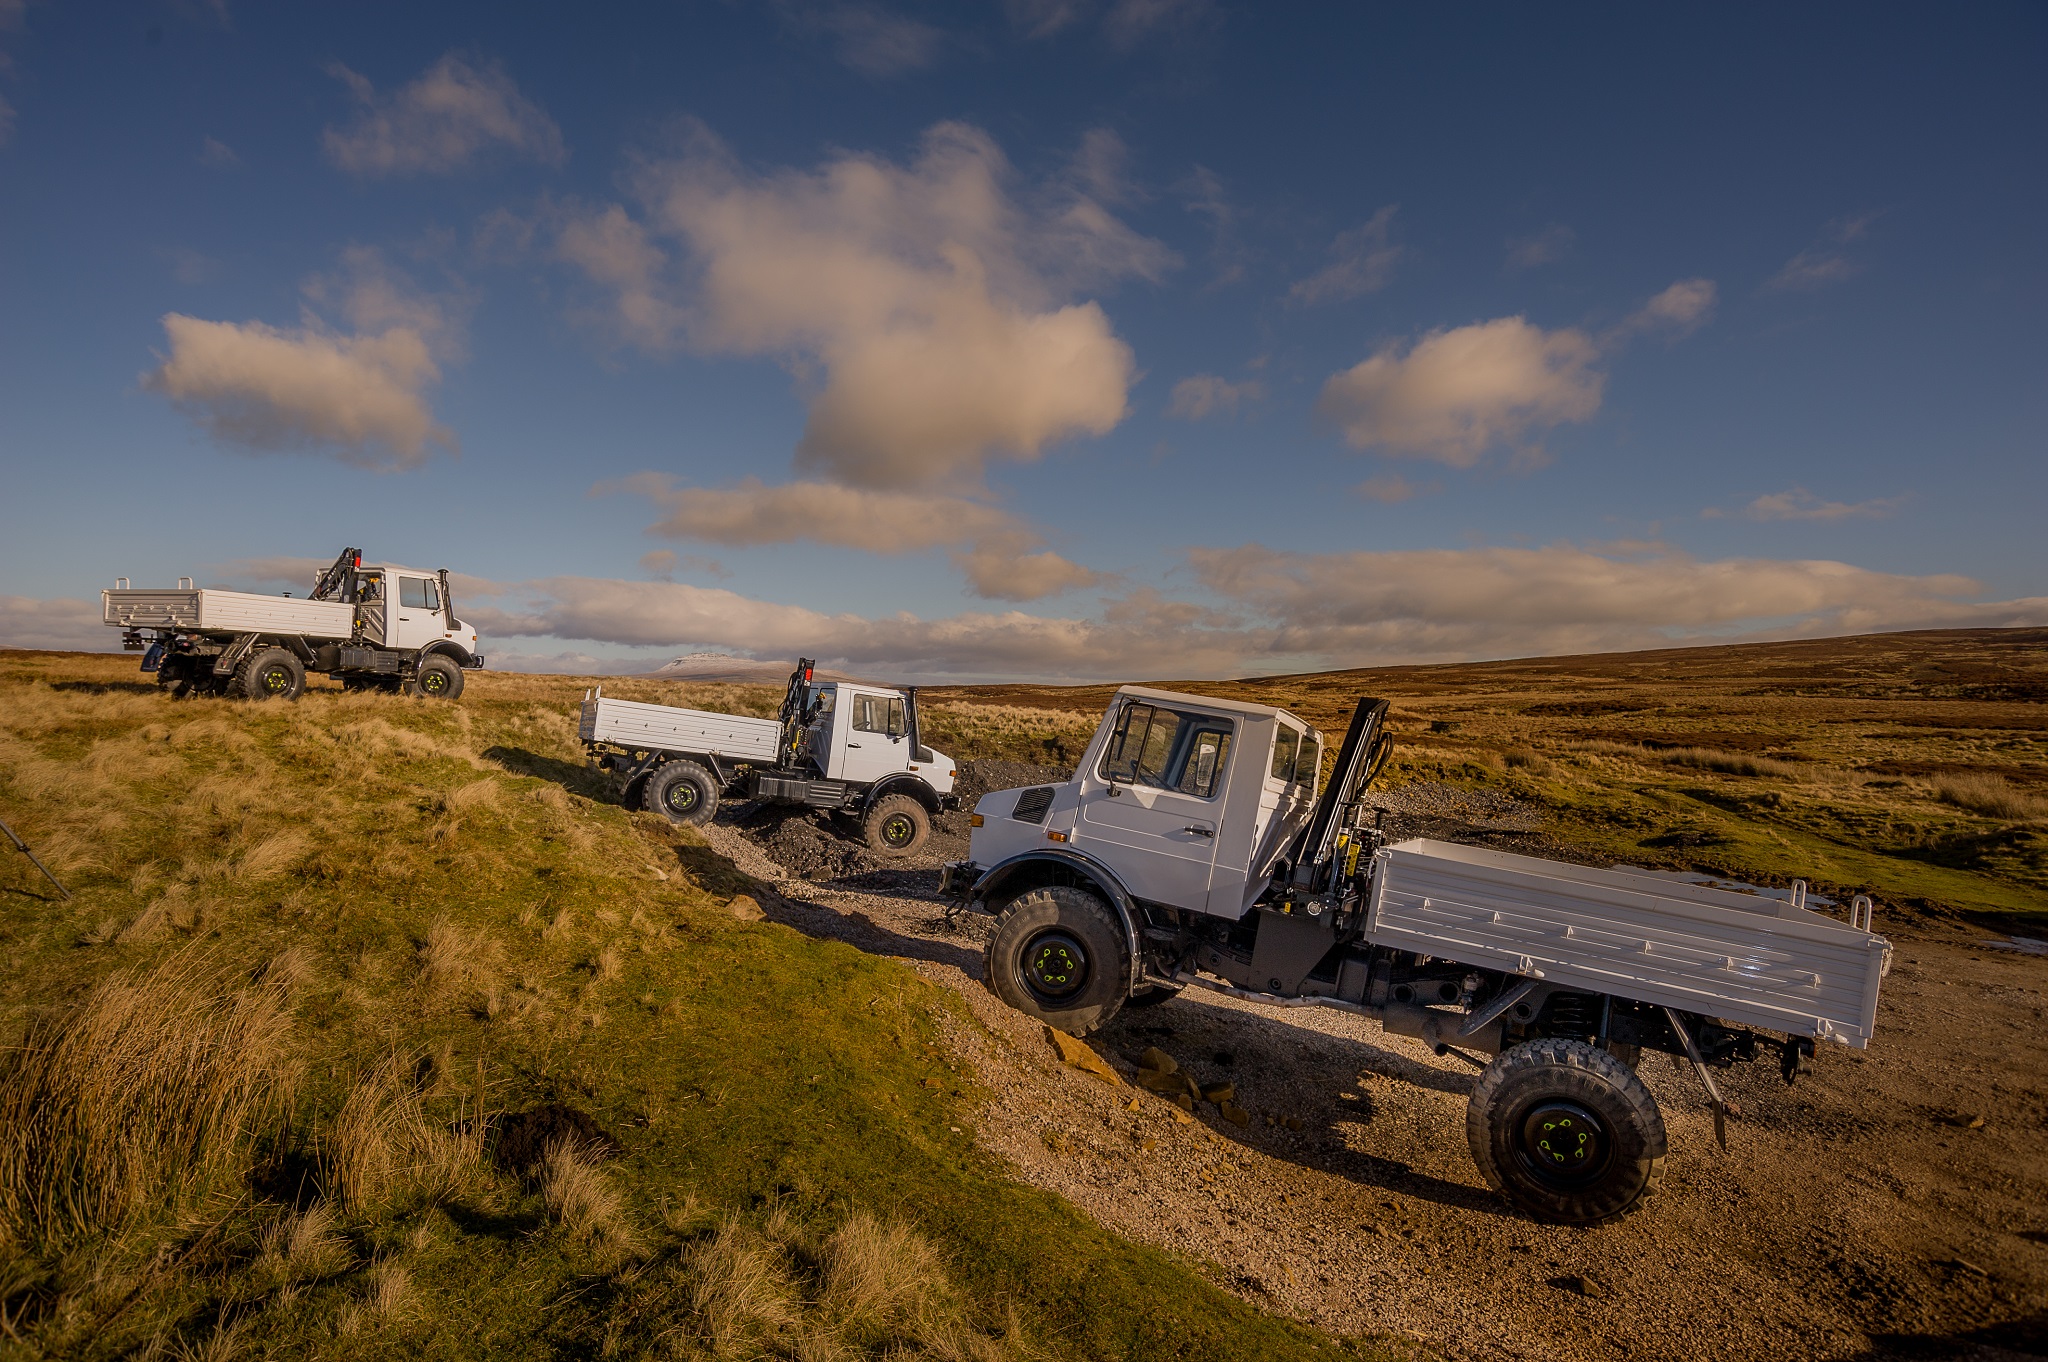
[{"x": 1057, "y": 338}]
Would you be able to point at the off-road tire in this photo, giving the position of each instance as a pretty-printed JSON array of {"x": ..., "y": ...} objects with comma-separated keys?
[
  {"x": 437, "y": 678},
  {"x": 896, "y": 826},
  {"x": 1060, "y": 955},
  {"x": 271, "y": 674},
  {"x": 1154, "y": 994},
  {"x": 1543, "y": 1106},
  {"x": 681, "y": 792}
]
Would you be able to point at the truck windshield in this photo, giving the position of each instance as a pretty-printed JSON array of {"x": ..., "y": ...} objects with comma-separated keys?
[{"x": 1168, "y": 750}]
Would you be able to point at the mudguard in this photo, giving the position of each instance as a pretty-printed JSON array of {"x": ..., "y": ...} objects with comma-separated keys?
[{"x": 1089, "y": 869}]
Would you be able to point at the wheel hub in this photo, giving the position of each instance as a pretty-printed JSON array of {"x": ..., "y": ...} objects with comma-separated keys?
[
  {"x": 1055, "y": 966},
  {"x": 897, "y": 830},
  {"x": 433, "y": 683},
  {"x": 682, "y": 796},
  {"x": 1563, "y": 1144}
]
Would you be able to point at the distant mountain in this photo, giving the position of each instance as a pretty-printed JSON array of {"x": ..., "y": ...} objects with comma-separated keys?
[{"x": 726, "y": 667}]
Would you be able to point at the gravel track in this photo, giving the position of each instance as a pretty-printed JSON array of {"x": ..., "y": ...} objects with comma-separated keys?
[{"x": 1857, "y": 1215}]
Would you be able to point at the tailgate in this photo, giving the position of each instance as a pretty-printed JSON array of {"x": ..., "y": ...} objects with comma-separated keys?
[
  {"x": 1738, "y": 957},
  {"x": 147, "y": 609}
]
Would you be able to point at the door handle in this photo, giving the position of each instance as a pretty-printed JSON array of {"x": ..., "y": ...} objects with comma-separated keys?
[
  {"x": 1199, "y": 831},
  {"x": 853, "y": 744}
]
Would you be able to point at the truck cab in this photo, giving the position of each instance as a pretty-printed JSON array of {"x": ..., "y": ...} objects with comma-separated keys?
[
  {"x": 409, "y": 609},
  {"x": 861, "y": 734},
  {"x": 1190, "y": 801}
]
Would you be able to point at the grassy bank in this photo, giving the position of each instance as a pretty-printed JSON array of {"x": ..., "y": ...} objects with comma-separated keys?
[{"x": 369, "y": 1030}]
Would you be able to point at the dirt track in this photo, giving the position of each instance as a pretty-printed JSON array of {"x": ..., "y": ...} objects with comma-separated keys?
[{"x": 1861, "y": 1214}]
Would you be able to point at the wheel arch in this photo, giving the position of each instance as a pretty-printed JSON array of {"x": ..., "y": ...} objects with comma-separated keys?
[
  {"x": 903, "y": 784},
  {"x": 454, "y": 652},
  {"x": 1038, "y": 868}
]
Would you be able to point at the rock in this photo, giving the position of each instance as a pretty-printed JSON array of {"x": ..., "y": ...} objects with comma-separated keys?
[
  {"x": 1133, "y": 1106},
  {"x": 1166, "y": 1084},
  {"x": 1076, "y": 1055},
  {"x": 1579, "y": 1285},
  {"x": 1964, "y": 1120},
  {"x": 933, "y": 1083},
  {"x": 1234, "y": 1113},
  {"x": 746, "y": 908},
  {"x": 1183, "y": 1117},
  {"x": 1291, "y": 1122},
  {"x": 1219, "y": 1093},
  {"x": 1184, "y": 1102},
  {"x": 1158, "y": 1061}
]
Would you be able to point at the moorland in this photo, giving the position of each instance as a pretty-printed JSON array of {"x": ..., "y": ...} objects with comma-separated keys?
[{"x": 375, "y": 1025}]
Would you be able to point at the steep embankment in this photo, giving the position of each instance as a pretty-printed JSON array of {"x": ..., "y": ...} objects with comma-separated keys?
[{"x": 366, "y": 1020}]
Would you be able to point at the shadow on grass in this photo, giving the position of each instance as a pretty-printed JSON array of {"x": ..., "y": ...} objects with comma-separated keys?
[
  {"x": 106, "y": 687},
  {"x": 572, "y": 776}
]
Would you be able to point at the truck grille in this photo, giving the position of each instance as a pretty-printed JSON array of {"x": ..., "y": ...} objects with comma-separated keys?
[{"x": 1032, "y": 804}]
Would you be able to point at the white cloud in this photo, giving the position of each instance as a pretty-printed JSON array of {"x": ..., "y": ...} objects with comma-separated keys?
[
  {"x": 751, "y": 513},
  {"x": 1503, "y": 602},
  {"x": 68, "y": 625},
  {"x": 1681, "y": 309},
  {"x": 1012, "y": 567},
  {"x": 1546, "y": 247},
  {"x": 870, "y": 39},
  {"x": 448, "y": 117},
  {"x": 271, "y": 389},
  {"x": 1800, "y": 504},
  {"x": 359, "y": 395},
  {"x": 617, "y": 253},
  {"x": 1205, "y": 395},
  {"x": 1144, "y": 639},
  {"x": 1391, "y": 489},
  {"x": 1002, "y": 558},
  {"x": 931, "y": 296},
  {"x": 1362, "y": 260},
  {"x": 1285, "y": 611},
  {"x": 1124, "y": 23},
  {"x": 1825, "y": 262},
  {"x": 1461, "y": 391},
  {"x": 218, "y": 154}
]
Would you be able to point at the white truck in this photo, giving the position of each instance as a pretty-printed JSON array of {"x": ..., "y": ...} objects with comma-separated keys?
[
  {"x": 1192, "y": 847},
  {"x": 370, "y": 626},
  {"x": 849, "y": 748}
]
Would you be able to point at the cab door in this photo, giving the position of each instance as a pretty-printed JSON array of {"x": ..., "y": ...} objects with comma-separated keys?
[
  {"x": 414, "y": 612},
  {"x": 874, "y": 730},
  {"x": 1151, "y": 806}
]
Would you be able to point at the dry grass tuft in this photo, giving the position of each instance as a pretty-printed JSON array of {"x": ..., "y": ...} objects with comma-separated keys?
[
  {"x": 582, "y": 1199},
  {"x": 276, "y": 854},
  {"x": 452, "y": 956},
  {"x": 382, "y": 1145},
  {"x": 1733, "y": 763},
  {"x": 1993, "y": 797},
  {"x": 130, "y": 1100},
  {"x": 1521, "y": 758},
  {"x": 301, "y": 1247},
  {"x": 873, "y": 1289},
  {"x": 386, "y": 1294}
]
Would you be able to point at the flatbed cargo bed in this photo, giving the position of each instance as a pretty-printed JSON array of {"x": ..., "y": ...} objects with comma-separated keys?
[
  {"x": 227, "y": 612},
  {"x": 1739, "y": 957}
]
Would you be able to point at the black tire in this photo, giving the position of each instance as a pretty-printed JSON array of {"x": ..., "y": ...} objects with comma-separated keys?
[
  {"x": 1060, "y": 955},
  {"x": 271, "y": 674},
  {"x": 680, "y": 791},
  {"x": 437, "y": 678},
  {"x": 896, "y": 826},
  {"x": 1154, "y": 994},
  {"x": 1565, "y": 1132}
]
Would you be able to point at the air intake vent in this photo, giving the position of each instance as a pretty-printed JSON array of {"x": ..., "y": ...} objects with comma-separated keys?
[{"x": 1032, "y": 804}]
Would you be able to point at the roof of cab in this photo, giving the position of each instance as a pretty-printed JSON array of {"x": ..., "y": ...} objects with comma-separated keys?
[
  {"x": 1211, "y": 702},
  {"x": 395, "y": 567}
]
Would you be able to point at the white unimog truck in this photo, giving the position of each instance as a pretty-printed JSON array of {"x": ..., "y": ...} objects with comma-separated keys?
[
  {"x": 1192, "y": 847},
  {"x": 374, "y": 626},
  {"x": 850, "y": 748}
]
